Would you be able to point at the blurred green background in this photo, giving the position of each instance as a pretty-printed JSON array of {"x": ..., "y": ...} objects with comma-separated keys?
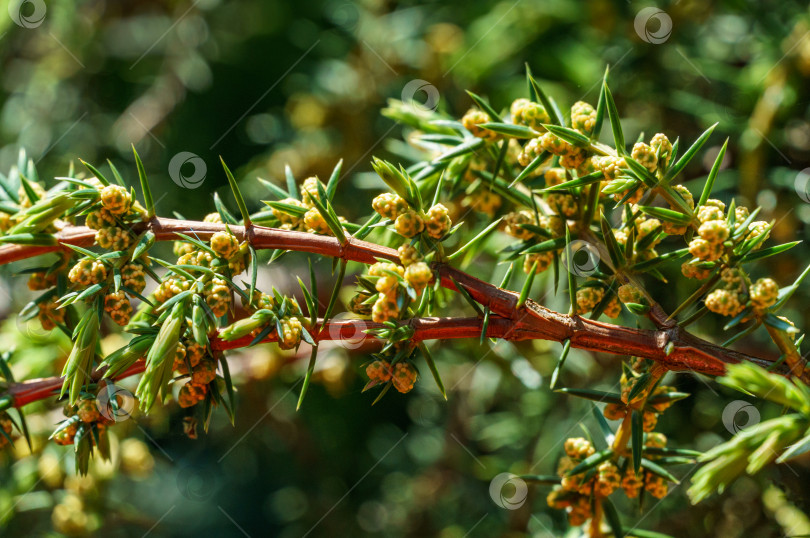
[{"x": 268, "y": 83}]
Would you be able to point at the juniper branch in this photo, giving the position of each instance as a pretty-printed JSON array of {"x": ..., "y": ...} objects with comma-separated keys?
[{"x": 510, "y": 320}]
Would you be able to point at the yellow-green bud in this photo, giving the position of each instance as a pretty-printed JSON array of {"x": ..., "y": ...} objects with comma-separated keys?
[
  {"x": 116, "y": 199},
  {"x": 379, "y": 370},
  {"x": 287, "y": 219},
  {"x": 645, "y": 155},
  {"x": 438, "y": 223},
  {"x": 708, "y": 213},
  {"x": 704, "y": 250},
  {"x": 583, "y": 117},
  {"x": 409, "y": 224},
  {"x": 224, "y": 244},
  {"x": 514, "y": 221},
  {"x": 578, "y": 448},
  {"x": 217, "y": 296},
  {"x": 404, "y": 377},
  {"x": 87, "y": 272},
  {"x": 472, "y": 121},
  {"x": 389, "y": 205},
  {"x": 292, "y": 332},
  {"x": 662, "y": 148},
  {"x": 101, "y": 218},
  {"x": 418, "y": 275},
  {"x": 714, "y": 231},
  {"x": 528, "y": 113},
  {"x": 764, "y": 293},
  {"x": 724, "y": 302},
  {"x": 408, "y": 255},
  {"x": 113, "y": 238},
  {"x": 543, "y": 260},
  {"x": 309, "y": 190},
  {"x": 117, "y": 305},
  {"x": 588, "y": 298}
]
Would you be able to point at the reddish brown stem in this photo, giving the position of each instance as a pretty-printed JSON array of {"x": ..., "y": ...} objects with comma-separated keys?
[
  {"x": 688, "y": 352},
  {"x": 510, "y": 321},
  {"x": 39, "y": 389},
  {"x": 585, "y": 334},
  {"x": 337, "y": 330},
  {"x": 258, "y": 236}
]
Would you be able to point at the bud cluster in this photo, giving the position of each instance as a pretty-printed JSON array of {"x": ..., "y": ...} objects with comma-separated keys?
[
  {"x": 113, "y": 218},
  {"x": 84, "y": 423},
  {"x": 472, "y": 121},
  {"x": 303, "y": 214},
  {"x": 530, "y": 114},
  {"x": 578, "y": 492},
  {"x": 193, "y": 360}
]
